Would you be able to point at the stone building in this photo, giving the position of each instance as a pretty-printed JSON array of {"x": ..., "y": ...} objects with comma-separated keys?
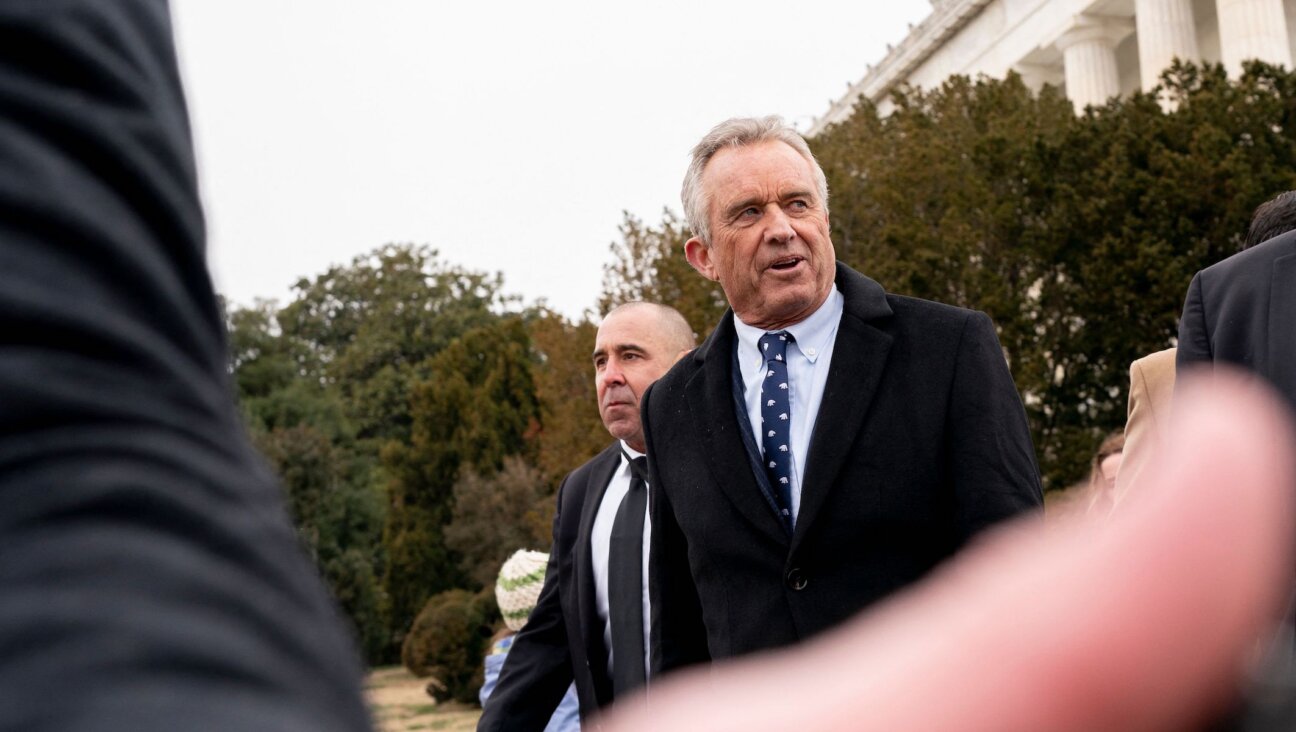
[{"x": 1092, "y": 49}]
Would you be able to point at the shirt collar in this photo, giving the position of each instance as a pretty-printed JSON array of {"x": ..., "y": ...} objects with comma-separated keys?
[
  {"x": 811, "y": 335},
  {"x": 629, "y": 451},
  {"x": 623, "y": 467}
]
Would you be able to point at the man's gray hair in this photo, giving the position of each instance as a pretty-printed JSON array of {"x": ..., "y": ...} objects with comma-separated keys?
[{"x": 738, "y": 132}]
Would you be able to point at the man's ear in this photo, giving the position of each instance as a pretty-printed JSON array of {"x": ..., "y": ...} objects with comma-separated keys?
[{"x": 699, "y": 255}]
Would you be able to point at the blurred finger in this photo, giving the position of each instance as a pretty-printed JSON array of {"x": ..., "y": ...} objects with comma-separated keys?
[{"x": 1140, "y": 622}]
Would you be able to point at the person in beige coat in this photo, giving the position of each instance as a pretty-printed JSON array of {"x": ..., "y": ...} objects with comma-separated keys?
[{"x": 1152, "y": 380}]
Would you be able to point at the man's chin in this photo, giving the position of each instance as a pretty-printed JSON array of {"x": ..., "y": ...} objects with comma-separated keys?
[
  {"x": 782, "y": 307},
  {"x": 622, "y": 429}
]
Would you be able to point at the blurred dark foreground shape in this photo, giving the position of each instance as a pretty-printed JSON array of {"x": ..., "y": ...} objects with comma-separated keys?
[{"x": 149, "y": 576}]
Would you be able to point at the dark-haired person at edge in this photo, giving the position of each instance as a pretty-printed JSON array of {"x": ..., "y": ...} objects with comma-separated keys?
[{"x": 1242, "y": 310}]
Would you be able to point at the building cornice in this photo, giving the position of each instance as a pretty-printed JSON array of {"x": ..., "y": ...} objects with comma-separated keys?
[{"x": 947, "y": 18}]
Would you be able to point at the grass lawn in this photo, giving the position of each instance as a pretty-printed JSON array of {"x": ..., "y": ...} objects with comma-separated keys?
[{"x": 400, "y": 704}]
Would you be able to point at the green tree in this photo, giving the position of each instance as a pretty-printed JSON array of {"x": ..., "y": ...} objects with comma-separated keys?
[
  {"x": 447, "y": 641},
  {"x": 495, "y": 515},
  {"x": 1077, "y": 234},
  {"x": 571, "y": 430},
  {"x": 368, "y": 328},
  {"x": 300, "y": 425},
  {"x": 260, "y": 358},
  {"x": 948, "y": 199},
  {"x": 368, "y": 393},
  {"x": 339, "y": 518},
  {"x": 649, "y": 265},
  {"x": 476, "y": 407}
]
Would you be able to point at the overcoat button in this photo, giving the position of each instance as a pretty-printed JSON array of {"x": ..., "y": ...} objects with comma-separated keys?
[{"x": 796, "y": 579}]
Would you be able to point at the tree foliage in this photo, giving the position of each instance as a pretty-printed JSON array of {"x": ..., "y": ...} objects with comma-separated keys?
[
  {"x": 476, "y": 407},
  {"x": 649, "y": 265},
  {"x": 495, "y": 515},
  {"x": 302, "y": 428},
  {"x": 571, "y": 430},
  {"x": 356, "y": 357},
  {"x": 1078, "y": 235},
  {"x": 448, "y": 640},
  {"x": 339, "y": 520},
  {"x": 369, "y": 327}
]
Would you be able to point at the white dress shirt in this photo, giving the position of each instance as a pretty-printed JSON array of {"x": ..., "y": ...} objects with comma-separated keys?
[
  {"x": 808, "y": 360},
  {"x": 600, "y": 540}
]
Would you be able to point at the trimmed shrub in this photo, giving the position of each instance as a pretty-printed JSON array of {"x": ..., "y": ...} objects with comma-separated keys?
[{"x": 448, "y": 640}]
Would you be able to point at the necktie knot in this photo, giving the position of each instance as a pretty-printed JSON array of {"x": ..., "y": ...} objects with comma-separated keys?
[
  {"x": 773, "y": 346},
  {"x": 639, "y": 468}
]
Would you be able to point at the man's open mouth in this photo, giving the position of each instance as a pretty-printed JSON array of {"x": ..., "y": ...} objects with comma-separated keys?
[{"x": 786, "y": 263}]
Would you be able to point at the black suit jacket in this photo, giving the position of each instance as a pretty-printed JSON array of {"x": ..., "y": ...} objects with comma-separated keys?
[
  {"x": 149, "y": 576},
  {"x": 1242, "y": 311},
  {"x": 563, "y": 639},
  {"x": 920, "y": 442}
]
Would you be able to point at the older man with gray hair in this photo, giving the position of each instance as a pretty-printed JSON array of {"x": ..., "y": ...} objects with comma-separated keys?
[{"x": 829, "y": 443}]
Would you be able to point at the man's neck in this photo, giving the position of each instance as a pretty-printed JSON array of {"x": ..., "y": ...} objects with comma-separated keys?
[{"x": 771, "y": 326}]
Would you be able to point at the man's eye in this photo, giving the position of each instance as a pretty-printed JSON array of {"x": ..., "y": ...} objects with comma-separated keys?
[
  {"x": 799, "y": 205},
  {"x": 750, "y": 211},
  {"x": 630, "y": 356}
]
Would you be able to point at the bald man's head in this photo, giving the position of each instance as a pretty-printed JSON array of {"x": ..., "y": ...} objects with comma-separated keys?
[
  {"x": 636, "y": 344},
  {"x": 671, "y": 326}
]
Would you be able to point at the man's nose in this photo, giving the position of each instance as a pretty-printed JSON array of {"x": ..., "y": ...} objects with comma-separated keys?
[
  {"x": 779, "y": 227},
  {"x": 612, "y": 373}
]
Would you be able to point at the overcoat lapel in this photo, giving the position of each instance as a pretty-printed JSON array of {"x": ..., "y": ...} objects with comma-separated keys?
[
  {"x": 715, "y": 422},
  {"x": 858, "y": 360},
  {"x": 600, "y": 475},
  {"x": 1282, "y": 327}
]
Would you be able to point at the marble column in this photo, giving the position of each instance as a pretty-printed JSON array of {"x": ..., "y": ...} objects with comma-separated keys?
[
  {"x": 1089, "y": 57},
  {"x": 1166, "y": 30},
  {"x": 1252, "y": 29}
]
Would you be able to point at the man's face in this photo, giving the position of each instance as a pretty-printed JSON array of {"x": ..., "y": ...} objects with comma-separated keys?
[
  {"x": 629, "y": 355},
  {"x": 770, "y": 249}
]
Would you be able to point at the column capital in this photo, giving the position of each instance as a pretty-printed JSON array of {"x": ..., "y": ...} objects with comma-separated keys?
[{"x": 1088, "y": 27}]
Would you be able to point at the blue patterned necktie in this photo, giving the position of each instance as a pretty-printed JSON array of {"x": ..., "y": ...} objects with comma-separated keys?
[{"x": 776, "y": 420}]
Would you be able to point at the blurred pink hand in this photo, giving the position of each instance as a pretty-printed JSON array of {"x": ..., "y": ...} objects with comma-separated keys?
[{"x": 1143, "y": 621}]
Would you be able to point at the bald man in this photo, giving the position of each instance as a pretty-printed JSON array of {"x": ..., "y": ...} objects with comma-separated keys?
[{"x": 590, "y": 623}]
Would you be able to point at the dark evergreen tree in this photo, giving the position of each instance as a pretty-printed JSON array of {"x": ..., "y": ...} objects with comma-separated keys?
[
  {"x": 1078, "y": 235},
  {"x": 476, "y": 407}
]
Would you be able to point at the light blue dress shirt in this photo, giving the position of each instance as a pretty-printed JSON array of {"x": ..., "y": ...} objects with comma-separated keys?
[{"x": 808, "y": 360}]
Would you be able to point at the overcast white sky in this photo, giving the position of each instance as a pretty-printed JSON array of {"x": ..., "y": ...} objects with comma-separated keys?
[{"x": 508, "y": 135}]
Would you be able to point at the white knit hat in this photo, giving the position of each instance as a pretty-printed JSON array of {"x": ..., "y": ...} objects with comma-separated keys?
[{"x": 518, "y": 586}]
